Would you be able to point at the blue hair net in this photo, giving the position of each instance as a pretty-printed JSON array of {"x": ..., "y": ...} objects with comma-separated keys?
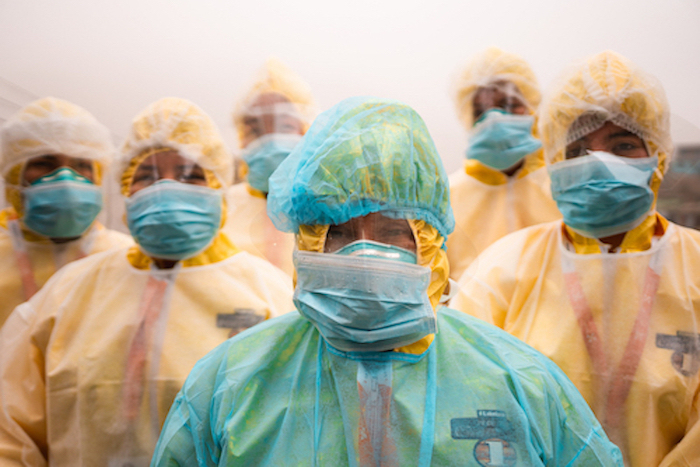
[{"x": 362, "y": 156}]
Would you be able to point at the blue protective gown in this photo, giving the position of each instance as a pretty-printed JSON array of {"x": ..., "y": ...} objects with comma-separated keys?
[{"x": 279, "y": 395}]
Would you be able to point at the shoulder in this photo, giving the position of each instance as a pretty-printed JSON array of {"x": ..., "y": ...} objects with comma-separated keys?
[
  {"x": 499, "y": 349},
  {"x": 274, "y": 341},
  {"x": 508, "y": 250},
  {"x": 683, "y": 235},
  {"x": 246, "y": 263},
  {"x": 108, "y": 239},
  {"x": 69, "y": 276}
]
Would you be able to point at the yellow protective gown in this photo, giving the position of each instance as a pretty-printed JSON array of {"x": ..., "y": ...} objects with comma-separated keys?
[
  {"x": 625, "y": 327},
  {"x": 488, "y": 205},
  {"x": 251, "y": 230},
  {"x": 18, "y": 282},
  {"x": 92, "y": 363}
]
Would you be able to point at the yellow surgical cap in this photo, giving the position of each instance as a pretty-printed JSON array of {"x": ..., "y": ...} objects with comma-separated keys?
[
  {"x": 276, "y": 78},
  {"x": 606, "y": 87},
  {"x": 177, "y": 124},
  {"x": 53, "y": 126},
  {"x": 488, "y": 68}
]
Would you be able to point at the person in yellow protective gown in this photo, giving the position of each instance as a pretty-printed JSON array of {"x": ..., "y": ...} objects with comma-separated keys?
[
  {"x": 53, "y": 157},
  {"x": 612, "y": 293},
  {"x": 504, "y": 185},
  {"x": 270, "y": 121},
  {"x": 372, "y": 370},
  {"x": 93, "y": 361}
]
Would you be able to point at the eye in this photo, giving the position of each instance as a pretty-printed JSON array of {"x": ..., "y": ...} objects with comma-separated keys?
[{"x": 576, "y": 150}]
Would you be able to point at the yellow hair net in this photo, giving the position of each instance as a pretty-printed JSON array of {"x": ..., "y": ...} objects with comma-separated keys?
[
  {"x": 429, "y": 251},
  {"x": 606, "y": 87},
  {"x": 492, "y": 66},
  {"x": 177, "y": 124},
  {"x": 276, "y": 78},
  {"x": 50, "y": 126}
]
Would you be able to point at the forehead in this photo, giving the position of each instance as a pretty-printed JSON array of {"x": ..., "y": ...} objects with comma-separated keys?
[
  {"x": 166, "y": 159},
  {"x": 608, "y": 130},
  {"x": 497, "y": 88},
  {"x": 269, "y": 99}
]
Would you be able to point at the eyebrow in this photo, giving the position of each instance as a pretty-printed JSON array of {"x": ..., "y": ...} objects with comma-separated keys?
[{"x": 621, "y": 134}]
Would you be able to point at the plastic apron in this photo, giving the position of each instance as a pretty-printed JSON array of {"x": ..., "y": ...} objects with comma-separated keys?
[
  {"x": 624, "y": 327},
  {"x": 117, "y": 344}
]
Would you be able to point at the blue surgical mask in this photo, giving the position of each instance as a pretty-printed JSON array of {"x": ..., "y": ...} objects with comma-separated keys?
[
  {"x": 500, "y": 140},
  {"x": 362, "y": 303},
  {"x": 601, "y": 194},
  {"x": 173, "y": 220},
  {"x": 62, "y": 204},
  {"x": 265, "y": 154},
  {"x": 372, "y": 249}
]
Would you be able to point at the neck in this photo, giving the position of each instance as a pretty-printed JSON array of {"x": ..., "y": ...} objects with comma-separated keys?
[
  {"x": 614, "y": 240},
  {"x": 510, "y": 171},
  {"x": 58, "y": 241},
  {"x": 164, "y": 263}
]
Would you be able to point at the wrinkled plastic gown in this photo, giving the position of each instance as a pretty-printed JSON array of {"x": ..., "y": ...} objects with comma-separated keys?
[{"x": 282, "y": 396}]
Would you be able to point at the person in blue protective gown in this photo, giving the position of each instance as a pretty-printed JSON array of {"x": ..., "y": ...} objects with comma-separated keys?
[{"x": 371, "y": 370}]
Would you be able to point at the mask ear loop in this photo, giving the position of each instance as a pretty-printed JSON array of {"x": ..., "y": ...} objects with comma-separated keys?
[{"x": 450, "y": 291}]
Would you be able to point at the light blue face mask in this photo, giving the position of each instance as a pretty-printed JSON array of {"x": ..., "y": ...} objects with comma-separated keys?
[
  {"x": 500, "y": 140},
  {"x": 265, "y": 154},
  {"x": 601, "y": 194},
  {"x": 362, "y": 303},
  {"x": 173, "y": 220},
  {"x": 62, "y": 204},
  {"x": 372, "y": 249}
]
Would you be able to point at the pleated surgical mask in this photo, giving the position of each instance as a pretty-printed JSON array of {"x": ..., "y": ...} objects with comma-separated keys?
[
  {"x": 500, "y": 140},
  {"x": 62, "y": 204},
  {"x": 173, "y": 220},
  {"x": 364, "y": 304},
  {"x": 601, "y": 194},
  {"x": 265, "y": 154}
]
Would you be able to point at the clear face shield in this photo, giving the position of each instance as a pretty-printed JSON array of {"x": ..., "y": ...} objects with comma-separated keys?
[
  {"x": 37, "y": 169},
  {"x": 167, "y": 165},
  {"x": 374, "y": 235},
  {"x": 264, "y": 118},
  {"x": 270, "y": 132},
  {"x": 502, "y": 95}
]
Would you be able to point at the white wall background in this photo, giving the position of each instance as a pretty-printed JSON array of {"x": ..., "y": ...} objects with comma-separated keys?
[{"x": 114, "y": 58}]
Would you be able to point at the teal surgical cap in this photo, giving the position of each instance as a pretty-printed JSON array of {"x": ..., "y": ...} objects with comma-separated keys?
[{"x": 362, "y": 156}]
